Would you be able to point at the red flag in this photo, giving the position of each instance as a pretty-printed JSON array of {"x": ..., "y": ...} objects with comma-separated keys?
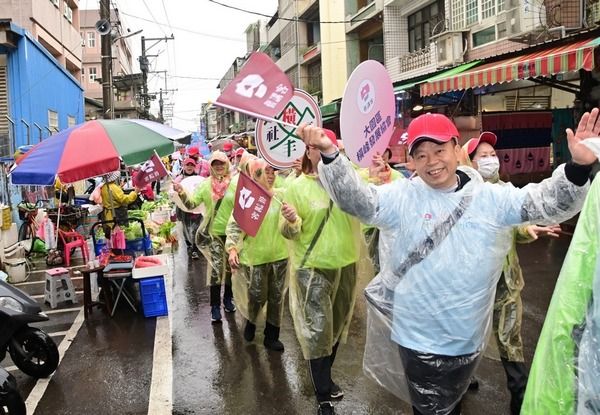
[
  {"x": 251, "y": 204},
  {"x": 261, "y": 88},
  {"x": 150, "y": 171}
]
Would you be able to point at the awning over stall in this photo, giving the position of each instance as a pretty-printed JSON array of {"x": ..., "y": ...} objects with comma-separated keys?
[{"x": 545, "y": 62}]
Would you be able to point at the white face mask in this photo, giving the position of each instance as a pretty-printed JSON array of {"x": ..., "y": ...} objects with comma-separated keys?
[{"x": 488, "y": 167}]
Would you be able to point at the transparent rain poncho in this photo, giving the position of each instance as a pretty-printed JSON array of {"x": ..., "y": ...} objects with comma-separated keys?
[
  {"x": 213, "y": 223},
  {"x": 262, "y": 276},
  {"x": 322, "y": 286},
  {"x": 435, "y": 294},
  {"x": 565, "y": 373}
]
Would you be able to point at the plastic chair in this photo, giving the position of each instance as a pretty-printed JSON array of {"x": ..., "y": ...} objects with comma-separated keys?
[{"x": 73, "y": 240}]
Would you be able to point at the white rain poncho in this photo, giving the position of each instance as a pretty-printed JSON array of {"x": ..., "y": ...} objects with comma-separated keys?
[{"x": 436, "y": 293}]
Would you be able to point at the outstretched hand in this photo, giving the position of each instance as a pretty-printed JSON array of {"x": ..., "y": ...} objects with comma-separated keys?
[
  {"x": 588, "y": 127},
  {"x": 536, "y": 231},
  {"x": 315, "y": 137}
]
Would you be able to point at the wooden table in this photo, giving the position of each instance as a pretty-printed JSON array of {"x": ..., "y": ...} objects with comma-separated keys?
[{"x": 88, "y": 304}]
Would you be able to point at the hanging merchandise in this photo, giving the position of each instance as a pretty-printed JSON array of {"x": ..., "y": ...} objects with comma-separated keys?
[{"x": 49, "y": 237}]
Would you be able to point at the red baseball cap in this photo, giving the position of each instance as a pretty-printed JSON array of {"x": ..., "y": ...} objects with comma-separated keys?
[
  {"x": 331, "y": 135},
  {"x": 192, "y": 151},
  {"x": 189, "y": 161},
  {"x": 227, "y": 146},
  {"x": 430, "y": 127},
  {"x": 484, "y": 137}
]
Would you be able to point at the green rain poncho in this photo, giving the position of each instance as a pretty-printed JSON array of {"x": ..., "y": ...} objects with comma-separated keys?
[
  {"x": 218, "y": 267},
  {"x": 323, "y": 289},
  {"x": 202, "y": 195},
  {"x": 267, "y": 246},
  {"x": 565, "y": 372},
  {"x": 261, "y": 276}
]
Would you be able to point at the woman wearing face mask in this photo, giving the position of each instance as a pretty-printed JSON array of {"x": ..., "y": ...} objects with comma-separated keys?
[{"x": 508, "y": 307}]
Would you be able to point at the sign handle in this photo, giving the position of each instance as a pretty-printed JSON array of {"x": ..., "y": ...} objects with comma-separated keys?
[{"x": 254, "y": 114}]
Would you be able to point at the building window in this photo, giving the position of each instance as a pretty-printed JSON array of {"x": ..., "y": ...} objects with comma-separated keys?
[
  {"x": 92, "y": 74},
  {"x": 71, "y": 121},
  {"x": 55, "y": 2},
  {"x": 68, "y": 13},
  {"x": 91, "y": 39},
  {"x": 469, "y": 12},
  {"x": 489, "y": 34},
  {"x": 421, "y": 23},
  {"x": 53, "y": 120}
]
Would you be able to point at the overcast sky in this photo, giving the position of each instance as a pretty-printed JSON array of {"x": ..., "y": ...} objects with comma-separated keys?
[{"x": 208, "y": 38}]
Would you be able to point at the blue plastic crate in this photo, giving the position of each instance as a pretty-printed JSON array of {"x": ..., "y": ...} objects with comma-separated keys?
[
  {"x": 135, "y": 245},
  {"x": 99, "y": 246},
  {"x": 154, "y": 298}
]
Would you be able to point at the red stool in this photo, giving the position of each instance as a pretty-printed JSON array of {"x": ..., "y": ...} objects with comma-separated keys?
[{"x": 73, "y": 240}]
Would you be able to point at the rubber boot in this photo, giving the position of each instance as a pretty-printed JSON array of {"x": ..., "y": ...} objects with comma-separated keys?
[
  {"x": 271, "y": 341},
  {"x": 249, "y": 331}
]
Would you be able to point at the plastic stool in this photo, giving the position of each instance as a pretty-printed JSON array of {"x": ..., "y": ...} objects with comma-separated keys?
[{"x": 59, "y": 287}]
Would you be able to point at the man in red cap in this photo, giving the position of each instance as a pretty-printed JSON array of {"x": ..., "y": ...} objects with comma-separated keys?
[{"x": 436, "y": 289}]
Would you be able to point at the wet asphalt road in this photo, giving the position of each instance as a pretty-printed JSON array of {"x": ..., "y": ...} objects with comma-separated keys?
[{"x": 108, "y": 367}]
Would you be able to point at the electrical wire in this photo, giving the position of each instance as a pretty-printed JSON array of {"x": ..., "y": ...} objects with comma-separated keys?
[
  {"x": 288, "y": 19},
  {"x": 212, "y": 36}
]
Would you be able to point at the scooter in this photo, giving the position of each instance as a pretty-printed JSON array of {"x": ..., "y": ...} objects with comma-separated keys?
[
  {"x": 31, "y": 349},
  {"x": 11, "y": 402}
]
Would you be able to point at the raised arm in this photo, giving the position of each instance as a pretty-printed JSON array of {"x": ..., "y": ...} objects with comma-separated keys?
[{"x": 561, "y": 196}]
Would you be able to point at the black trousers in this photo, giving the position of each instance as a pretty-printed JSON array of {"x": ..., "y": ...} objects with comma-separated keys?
[
  {"x": 320, "y": 373},
  {"x": 215, "y": 294},
  {"x": 436, "y": 382},
  {"x": 516, "y": 381}
]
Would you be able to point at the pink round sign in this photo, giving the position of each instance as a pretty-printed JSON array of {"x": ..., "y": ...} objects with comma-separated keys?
[{"x": 368, "y": 112}]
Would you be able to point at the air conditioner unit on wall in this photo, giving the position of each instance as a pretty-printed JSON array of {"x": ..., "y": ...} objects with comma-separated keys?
[
  {"x": 593, "y": 16},
  {"x": 526, "y": 17},
  {"x": 449, "y": 49}
]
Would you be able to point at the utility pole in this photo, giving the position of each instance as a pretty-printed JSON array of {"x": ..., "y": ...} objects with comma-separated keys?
[
  {"x": 106, "y": 51},
  {"x": 145, "y": 68}
]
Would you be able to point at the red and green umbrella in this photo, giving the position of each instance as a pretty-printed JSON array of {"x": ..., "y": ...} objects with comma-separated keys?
[{"x": 92, "y": 149}]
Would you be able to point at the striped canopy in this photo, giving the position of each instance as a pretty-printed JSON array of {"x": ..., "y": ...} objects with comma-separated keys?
[{"x": 545, "y": 62}]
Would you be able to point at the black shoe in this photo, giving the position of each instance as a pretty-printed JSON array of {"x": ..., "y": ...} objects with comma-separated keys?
[
  {"x": 271, "y": 341},
  {"x": 325, "y": 408},
  {"x": 473, "y": 384},
  {"x": 195, "y": 255},
  {"x": 249, "y": 331},
  {"x": 336, "y": 391},
  {"x": 274, "y": 345}
]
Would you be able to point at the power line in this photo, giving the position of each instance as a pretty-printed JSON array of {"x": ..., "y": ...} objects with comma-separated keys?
[
  {"x": 288, "y": 19},
  {"x": 183, "y": 29},
  {"x": 209, "y": 35}
]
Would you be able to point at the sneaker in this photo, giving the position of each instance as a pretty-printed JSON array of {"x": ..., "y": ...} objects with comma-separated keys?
[
  {"x": 228, "y": 305},
  {"x": 325, "y": 408},
  {"x": 215, "y": 314},
  {"x": 336, "y": 391}
]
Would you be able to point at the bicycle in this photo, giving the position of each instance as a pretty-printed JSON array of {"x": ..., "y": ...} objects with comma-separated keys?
[{"x": 28, "y": 213}]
